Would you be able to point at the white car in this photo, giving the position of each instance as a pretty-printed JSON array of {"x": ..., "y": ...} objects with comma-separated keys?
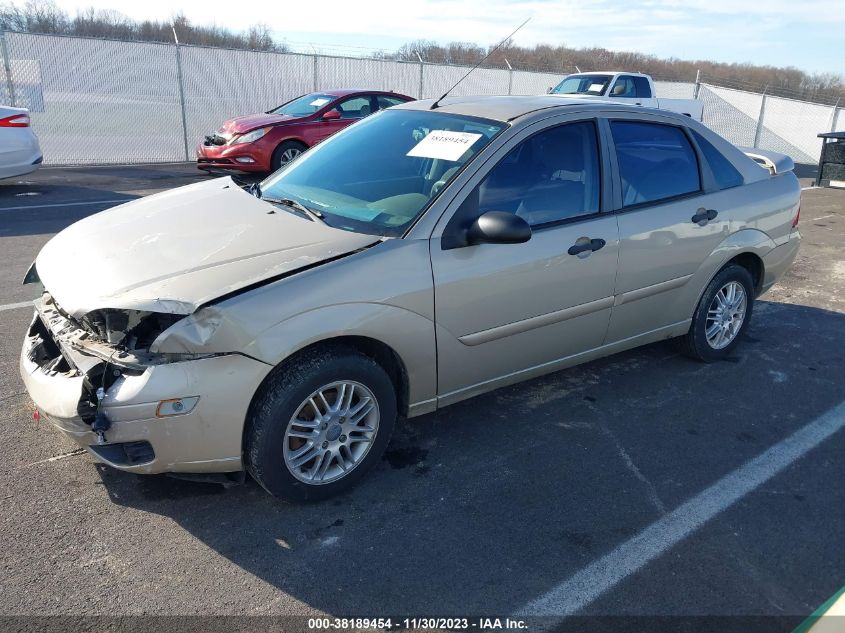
[
  {"x": 19, "y": 150},
  {"x": 623, "y": 87}
]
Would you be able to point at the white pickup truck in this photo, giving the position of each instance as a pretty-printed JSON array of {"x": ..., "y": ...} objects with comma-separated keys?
[{"x": 623, "y": 87}]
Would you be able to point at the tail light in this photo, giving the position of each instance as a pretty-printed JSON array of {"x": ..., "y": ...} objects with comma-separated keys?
[
  {"x": 16, "y": 120},
  {"x": 797, "y": 216}
]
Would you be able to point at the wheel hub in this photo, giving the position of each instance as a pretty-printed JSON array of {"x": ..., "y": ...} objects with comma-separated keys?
[{"x": 334, "y": 432}]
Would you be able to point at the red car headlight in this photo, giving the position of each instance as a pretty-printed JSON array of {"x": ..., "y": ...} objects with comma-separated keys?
[{"x": 250, "y": 137}]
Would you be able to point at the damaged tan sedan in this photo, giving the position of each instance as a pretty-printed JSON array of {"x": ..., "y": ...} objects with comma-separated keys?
[{"x": 427, "y": 254}]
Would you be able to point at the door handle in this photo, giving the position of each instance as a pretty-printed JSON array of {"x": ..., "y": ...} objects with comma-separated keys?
[
  {"x": 584, "y": 246},
  {"x": 703, "y": 216}
]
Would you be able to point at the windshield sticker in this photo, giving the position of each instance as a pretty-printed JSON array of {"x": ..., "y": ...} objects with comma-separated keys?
[
  {"x": 319, "y": 102},
  {"x": 444, "y": 144},
  {"x": 595, "y": 87}
]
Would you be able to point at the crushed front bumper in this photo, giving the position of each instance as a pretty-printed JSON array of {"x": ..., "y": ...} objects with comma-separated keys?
[{"x": 205, "y": 439}]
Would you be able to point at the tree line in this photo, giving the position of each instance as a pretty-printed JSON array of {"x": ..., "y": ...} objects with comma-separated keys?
[
  {"x": 788, "y": 82},
  {"x": 44, "y": 16}
]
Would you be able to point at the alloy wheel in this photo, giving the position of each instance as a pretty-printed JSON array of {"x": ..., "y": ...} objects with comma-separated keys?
[
  {"x": 331, "y": 432},
  {"x": 725, "y": 315}
]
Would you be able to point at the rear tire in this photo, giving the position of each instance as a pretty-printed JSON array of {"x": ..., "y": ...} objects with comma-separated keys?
[
  {"x": 285, "y": 153},
  {"x": 721, "y": 317},
  {"x": 284, "y": 429}
]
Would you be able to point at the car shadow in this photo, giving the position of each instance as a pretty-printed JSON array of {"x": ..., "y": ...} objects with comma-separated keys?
[{"x": 486, "y": 504}]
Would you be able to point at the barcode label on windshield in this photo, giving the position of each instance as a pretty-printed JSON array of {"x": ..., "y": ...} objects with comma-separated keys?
[{"x": 444, "y": 144}]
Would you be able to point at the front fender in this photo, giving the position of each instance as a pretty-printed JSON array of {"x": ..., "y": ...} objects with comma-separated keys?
[{"x": 409, "y": 334}]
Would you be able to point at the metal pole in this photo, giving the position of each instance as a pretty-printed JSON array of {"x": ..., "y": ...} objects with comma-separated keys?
[
  {"x": 510, "y": 76},
  {"x": 697, "y": 84},
  {"x": 181, "y": 94},
  {"x": 759, "y": 131},
  {"x": 7, "y": 68},
  {"x": 422, "y": 68}
]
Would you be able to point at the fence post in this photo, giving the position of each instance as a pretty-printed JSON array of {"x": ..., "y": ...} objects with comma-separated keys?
[
  {"x": 7, "y": 67},
  {"x": 510, "y": 76},
  {"x": 697, "y": 84},
  {"x": 316, "y": 73},
  {"x": 181, "y": 97},
  {"x": 759, "y": 131},
  {"x": 422, "y": 69}
]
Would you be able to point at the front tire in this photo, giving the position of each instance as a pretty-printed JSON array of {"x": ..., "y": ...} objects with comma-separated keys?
[
  {"x": 721, "y": 317},
  {"x": 285, "y": 153},
  {"x": 319, "y": 423}
]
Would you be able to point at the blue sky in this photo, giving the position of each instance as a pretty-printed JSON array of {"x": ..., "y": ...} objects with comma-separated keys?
[{"x": 806, "y": 34}]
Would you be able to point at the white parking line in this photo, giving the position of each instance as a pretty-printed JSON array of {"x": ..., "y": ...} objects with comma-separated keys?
[
  {"x": 15, "y": 306},
  {"x": 589, "y": 583},
  {"x": 65, "y": 204}
]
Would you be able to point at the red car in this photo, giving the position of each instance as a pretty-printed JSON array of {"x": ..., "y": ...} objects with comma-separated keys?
[{"x": 264, "y": 142}]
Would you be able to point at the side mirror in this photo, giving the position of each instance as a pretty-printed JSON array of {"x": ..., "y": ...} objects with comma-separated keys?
[
  {"x": 498, "y": 227},
  {"x": 331, "y": 115},
  {"x": 550, "y": 90}
]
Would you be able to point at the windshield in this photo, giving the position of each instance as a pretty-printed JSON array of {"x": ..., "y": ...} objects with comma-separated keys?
[
  {"x": 378, "y": 175},
  {"x": 304, "y": 106},
  {"x": 582, "y": 85}
]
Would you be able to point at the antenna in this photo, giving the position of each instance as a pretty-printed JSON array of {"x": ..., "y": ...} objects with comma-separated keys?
[{"x": 436, "y": 104}]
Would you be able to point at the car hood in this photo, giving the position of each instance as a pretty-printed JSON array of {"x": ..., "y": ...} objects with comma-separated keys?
[
  {"x": 174, "y": 251},
  {"x": 241, "y": 124}
]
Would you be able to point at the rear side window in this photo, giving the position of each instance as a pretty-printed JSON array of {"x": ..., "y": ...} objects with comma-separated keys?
[
  {"x": 642, "y": 87},
  {"x": 656, "y": 161},
  {"x": 724, "y": 172}
]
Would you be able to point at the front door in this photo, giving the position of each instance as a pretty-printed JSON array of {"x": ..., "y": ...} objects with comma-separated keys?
[
  {"x": 506, "y": 309},
  {"x": 350, "y": 110}
]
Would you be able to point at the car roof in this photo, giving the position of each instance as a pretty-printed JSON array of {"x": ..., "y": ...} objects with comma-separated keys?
[
  {"x": 608, "y": 72},
  {"x": 345, "y": 92},
  {"x": 507, "y": 109}
]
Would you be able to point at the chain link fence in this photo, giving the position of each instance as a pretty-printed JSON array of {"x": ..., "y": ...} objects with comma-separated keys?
[{"x": 96, "y": 101}]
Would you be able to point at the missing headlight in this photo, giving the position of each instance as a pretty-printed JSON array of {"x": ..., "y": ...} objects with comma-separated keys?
[{"x": 130, "y": 329}]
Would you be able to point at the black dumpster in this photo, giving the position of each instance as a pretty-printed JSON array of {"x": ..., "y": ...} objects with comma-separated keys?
[{"x": 832, "y": 161}]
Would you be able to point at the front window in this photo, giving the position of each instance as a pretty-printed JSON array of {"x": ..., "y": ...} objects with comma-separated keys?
[
  {"x": 551, "y": 177},
  {"x": 582, "y": 85},
  {"x": 354, "y": 108},
  {"x": 379, "y": 175},
  {"x": 305, "y": 105},
  {"x": 624, "y": 87}
]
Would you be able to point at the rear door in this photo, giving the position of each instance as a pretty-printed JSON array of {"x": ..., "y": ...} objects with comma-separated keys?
[
  {"x": 670, "y": 221},
  {"x": 506, "y": 309}
]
